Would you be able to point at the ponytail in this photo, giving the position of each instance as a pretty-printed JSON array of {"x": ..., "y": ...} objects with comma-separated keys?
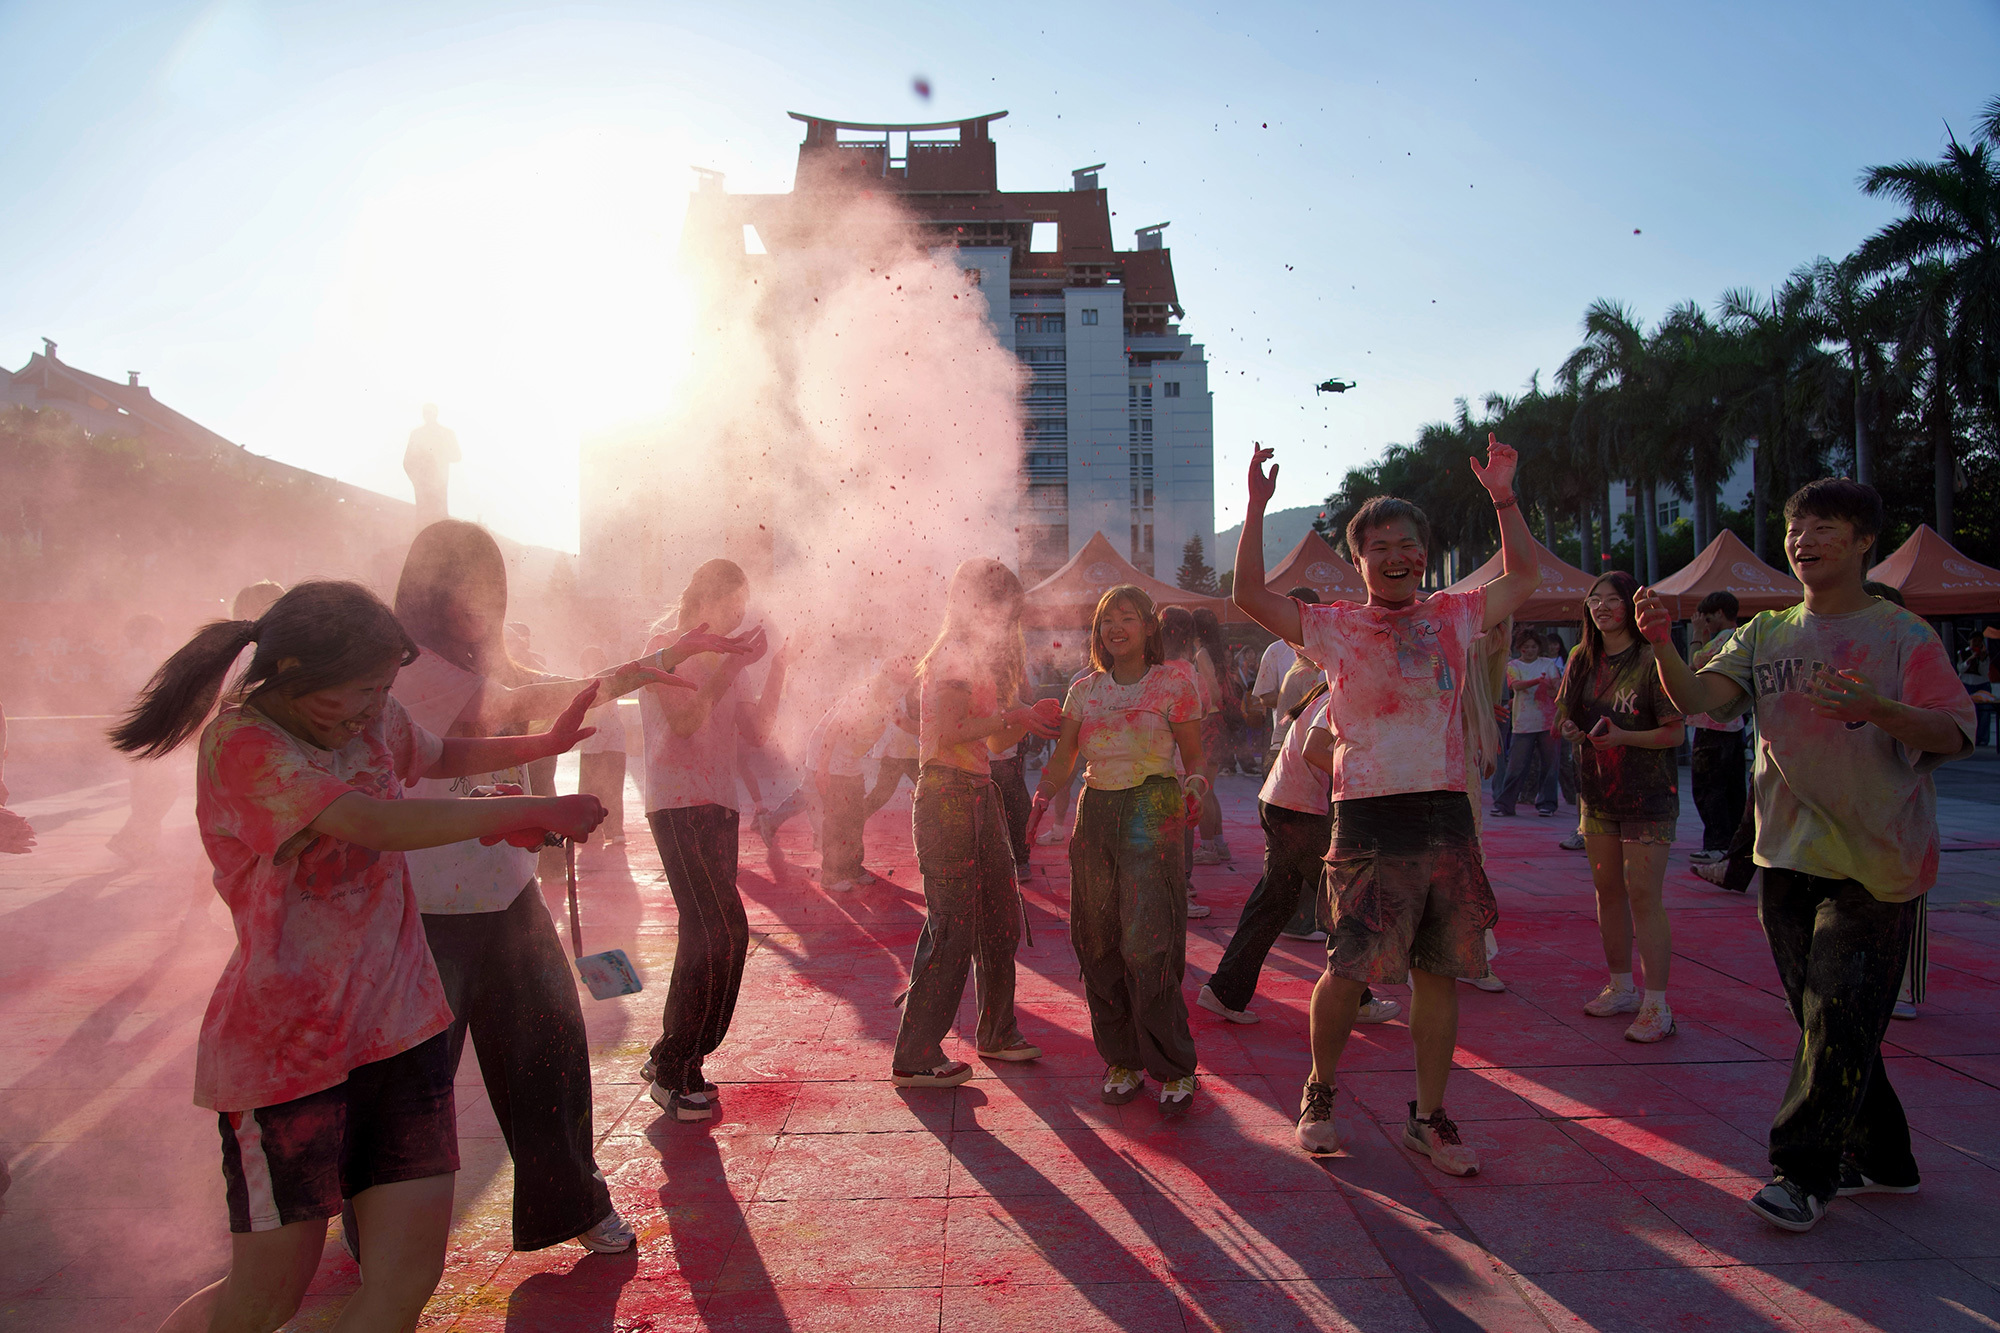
[{"x": 318, "y": 635}]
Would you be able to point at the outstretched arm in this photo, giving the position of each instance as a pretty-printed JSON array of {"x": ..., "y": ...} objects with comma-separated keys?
[
  {"x": 464, "y": 756},
  {"x": 405, "y": 826},
  {"x": 1274, "y": 611},
  {"x": 1520, "y": 572},
  {"x": 1691, "y": 691}
]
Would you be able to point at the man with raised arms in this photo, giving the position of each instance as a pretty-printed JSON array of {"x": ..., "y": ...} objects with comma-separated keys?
[
  {"x": 1408, "y": 889},
  {"x": 1855, "y": 703}
]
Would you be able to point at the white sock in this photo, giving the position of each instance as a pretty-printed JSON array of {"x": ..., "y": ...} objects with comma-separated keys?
[
  {"x": 1658, "y": 997},
  {"x": 1621, "y": 981}
]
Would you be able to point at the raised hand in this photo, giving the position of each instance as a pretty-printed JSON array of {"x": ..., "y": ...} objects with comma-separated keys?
[
  {"x": 1650, "y": 616},
  {"x": 1845, "y": 696},
  {"x": 1262, "y": 486},
  {"x": 1497, "y": 475},
  {"x": 699, "y": 640},
  {"x": 1043, "y": 719},
  {"x": 569, "y": 729}
]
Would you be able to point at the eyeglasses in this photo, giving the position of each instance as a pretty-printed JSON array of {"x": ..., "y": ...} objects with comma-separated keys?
[{"x": 1612, "y": 600}]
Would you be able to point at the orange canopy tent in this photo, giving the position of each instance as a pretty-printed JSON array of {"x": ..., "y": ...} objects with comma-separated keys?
[
  {"x": 1315, "y": 564},
  {"x": 1727, "y": 565},
  {"x": 1559, "y": 598},
  {"x": 1936, "y": 580},
  {"x": 1066, "y": 598}
]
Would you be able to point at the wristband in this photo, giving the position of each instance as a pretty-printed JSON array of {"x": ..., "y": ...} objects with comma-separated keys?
[{"x": 1507, "y": 503}]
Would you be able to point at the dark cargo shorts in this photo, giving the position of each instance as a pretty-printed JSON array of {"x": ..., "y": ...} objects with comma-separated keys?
[{"x": 1407, "y": 888}]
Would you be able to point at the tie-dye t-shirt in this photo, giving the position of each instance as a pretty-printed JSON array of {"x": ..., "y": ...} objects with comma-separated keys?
[
  {"x": 1125, "y": 732},
  {"x": 700, "y": 768},
  {"x": 331, "y": 969},
  {"x": 953, "y": 668},
  {"x": 1845, "y": 800},
  {"x": 1624, "y": 782},
  {"x": 1398, "y": 691}
]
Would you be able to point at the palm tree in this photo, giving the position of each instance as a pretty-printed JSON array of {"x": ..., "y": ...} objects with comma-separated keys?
[
  {"x": 1855, "y": 314},
  {"x": 1773, "y": 390}
]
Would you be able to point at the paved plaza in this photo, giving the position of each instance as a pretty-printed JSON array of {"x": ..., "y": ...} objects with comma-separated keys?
[{"x": 821, "y": 1198}]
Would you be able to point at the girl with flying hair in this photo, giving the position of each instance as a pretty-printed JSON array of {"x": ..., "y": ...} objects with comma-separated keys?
[
  {"x": 692, "y": 739},
  {"x": 1128, "y": 905},
  {"x": 324, "y": 1050},
  {"x": 967, "y": 683},
  {"x": 505, "y": 973}
]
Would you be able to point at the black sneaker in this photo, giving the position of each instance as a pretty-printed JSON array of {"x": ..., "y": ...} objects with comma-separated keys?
[
  {"x": 1853, "y": 1180},
  {"x": 1788, "y": 1204}
]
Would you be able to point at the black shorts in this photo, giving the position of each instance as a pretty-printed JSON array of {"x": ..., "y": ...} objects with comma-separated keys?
[
  {"x": 1408, "y": 888},
  {"x": 391, "y": 1120}
]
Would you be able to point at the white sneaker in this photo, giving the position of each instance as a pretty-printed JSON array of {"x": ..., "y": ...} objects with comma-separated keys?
[
  {"x": 1317, "y": 1133},
  {"x": 1608, "y": 1002},
  {"x": 843, "y": 886},
  {"x": 1177, "y": 1096},
  {"x": 1121, "y": 1085},
  {"x": 1378, "y": 1010},
  {"x": 1904, "y": 1009},
  {"x": 1196, "y": 910},
  {"x": 1489, "y": 983},
  {"x": 1206, "y": 999},
  {"x": 1050, "y": 837},
  {"x": 611, "y": 1235},
  {"x": 1210, "y": 854}
]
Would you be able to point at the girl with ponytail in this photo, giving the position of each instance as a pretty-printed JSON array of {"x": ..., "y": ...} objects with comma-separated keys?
[{"x": 323, "y": 1050}]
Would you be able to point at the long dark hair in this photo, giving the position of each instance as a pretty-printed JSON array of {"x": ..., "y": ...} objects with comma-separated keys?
[
  {"x": 453, "y": 563},
  {"x": 1177, "y": 632},
  {"x": 318, "y": 635},
  {"x": 1136, "y": 598},
  {"x": 982, "y": 612},
  {"x": 1581, "y": 671},
  {"x": 1208, "y": 629}
]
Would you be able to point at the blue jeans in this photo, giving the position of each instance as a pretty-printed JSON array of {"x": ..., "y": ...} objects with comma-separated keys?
[{"x": 1529, "y": 745}]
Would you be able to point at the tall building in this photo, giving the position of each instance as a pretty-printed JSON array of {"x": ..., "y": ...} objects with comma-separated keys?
[{"x": 1118, "y": 432}]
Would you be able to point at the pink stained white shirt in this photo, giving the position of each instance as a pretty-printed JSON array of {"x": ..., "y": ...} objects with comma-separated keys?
[
  {"x": 1125, "y": 732},
  {"x": 331, "y": 969},
  {"x": 1397, "y": 682},
  {"x": 696, "y": 769},
  {"x": 1292, "y": 783}
]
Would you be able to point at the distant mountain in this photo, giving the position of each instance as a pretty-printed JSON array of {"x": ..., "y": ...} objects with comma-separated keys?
[{"x": 1282, "y": 530}]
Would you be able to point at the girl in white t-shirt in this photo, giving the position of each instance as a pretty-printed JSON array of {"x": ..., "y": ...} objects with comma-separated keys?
[
  {"x": 1128, "y": 902},
  {"x": 692, "y": 808},
  {"x": 505, "y": 972}
]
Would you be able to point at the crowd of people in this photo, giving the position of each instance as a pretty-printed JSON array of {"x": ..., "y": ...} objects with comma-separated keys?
[{"x": 374, "y": 788}]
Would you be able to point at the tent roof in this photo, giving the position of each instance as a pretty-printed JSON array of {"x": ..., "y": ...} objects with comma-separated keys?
[
  {"x": 1559, "y": 598},
  {"x": 1068, "y": 596},
  {"x": 1726, "y": 564},
  {"x": 1314, "y": 563},
  {"x": 1936, "y": 580}
]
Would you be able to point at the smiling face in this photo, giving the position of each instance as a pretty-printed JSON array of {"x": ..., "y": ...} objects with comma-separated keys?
[
  {"x": 1122, "y": 631},
  {"x": 1825, "y": 553},
  {"x": 332, "y": 717},
  {"x": 1392, "y": 561},
  {"x": 1606, "y": 607},
  {"x": 1530, "y": 648}
]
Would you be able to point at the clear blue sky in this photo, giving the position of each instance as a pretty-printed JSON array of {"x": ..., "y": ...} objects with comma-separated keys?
[{"x": 301, "y": 221}]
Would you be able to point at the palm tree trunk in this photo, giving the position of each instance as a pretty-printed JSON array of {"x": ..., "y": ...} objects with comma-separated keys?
[
  {"x": 1604, "y": 517},
  {"x": 1549, "y": 526},
  {"x": 1652, "y": 533},
  {"x": 1583, "y": 559},
  {"x": 1864, "y": 465},
  {"x": 1759, "y": 540},
  {"x": 1944, "y": 460}
]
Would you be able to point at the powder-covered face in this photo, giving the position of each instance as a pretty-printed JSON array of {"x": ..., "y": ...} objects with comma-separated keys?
[
  {"x": 332, "y": 717},
  {"x": 1606, "y": 607},
  {"x": 1529, "y": 650},
  {"x": 1392, "y": 561},
  {"x": 722, "y": 615},
  {"x": 1122, "y": 631},
  {"x": 1825, "y": 552}
]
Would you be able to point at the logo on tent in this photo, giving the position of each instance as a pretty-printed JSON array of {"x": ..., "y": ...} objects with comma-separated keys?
[
  {"x": 1961, "y": 568},
  {"x": 1103, "y": 572},
  {"x": 1750, "y": 574},
  {"x": 1321, "y": 572}
]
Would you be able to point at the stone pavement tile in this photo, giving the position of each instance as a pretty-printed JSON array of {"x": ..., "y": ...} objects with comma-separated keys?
[
  {"x": 1011, "y": 1305},
  {"x": 1971, "y": 1130},
  {"x": 1541, "y": 1045},
  {"x": 1257, "y": 1158},
  {"x": 1665, "y": 1147},
  {"x": 1943, "y": 1036},
  {"x": 1715, "y": 1212},
  {"x": 1956, "y": 1212},
  {"x": 1693, "y": 1042},
  {"x": 1041, "y": 1240},
  {"x": 870, "y": 1107},
  {"x": 1594, "y": 1090},
  {"x": 1576, "y": 1228},
  {"x": 835, "y": 1309},
  {"x": 1742, "y": 1087},
  {"x": 1471, "y": 1095},
  {"x": 1051, "y": 1103},
  {"x": 556, "y": 1300},
  {"x": 1984, "y": 1067},
  {"x": 1006, "y": 1163},
  {"x": 1975, "y": 957},
  {"x": 1278, "y": 1236},
  {"x": 1659, "y": 1300},
  {"x": 1350, "y": 1305},
  {"x": 1769, "y": 1032},
  {"x": 1921, "y": 1082},
  {"x": 1986, "y": 1270},
  {"x": 683, "y": 1165},
  {"x": 822, "y": 1243},
  {"x": 83, "y": 1315},
  {"x": 1515, "y": 1152},
  {"x": 895, "y": 1165},
  {"x": 1883, "y": 1296}
]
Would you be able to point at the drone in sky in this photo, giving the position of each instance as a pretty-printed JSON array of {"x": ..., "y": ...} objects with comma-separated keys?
[{"x": 1333, "y": 386}]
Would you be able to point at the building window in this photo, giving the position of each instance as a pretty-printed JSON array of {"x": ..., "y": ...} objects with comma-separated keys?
[
  {"x": 1670, "y": 512},
  {"x": 1089, "y": 315},
  {"x": 1171, "y": 389},
  {"x": 1038, "y": 323}
]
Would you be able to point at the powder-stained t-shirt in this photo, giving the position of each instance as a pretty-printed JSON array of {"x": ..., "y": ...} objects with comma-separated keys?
[
  {"x": 331, "y": 969},
  {"x": 847, "y": 732},
  {"x": 1534, "y": 687},
  {"x": 1624, "y": 781},
  {"x": 697, "y": 769},
  {"x": 461, "y": 877},
  {"x": 1125, "y": 732},
  {"x": 1292, "y": 783},
  {"x": 953, "y": 668},
  {"x": 1845, "y": 800},
  {"x": 1398, "y": 687}
]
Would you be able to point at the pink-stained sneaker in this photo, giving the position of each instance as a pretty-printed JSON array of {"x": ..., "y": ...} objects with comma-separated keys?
[
  {"x": 1436, "y": 1137},
  {"x": 1608, "y": 1002},
  {"x": 1654, "y": 1023}
]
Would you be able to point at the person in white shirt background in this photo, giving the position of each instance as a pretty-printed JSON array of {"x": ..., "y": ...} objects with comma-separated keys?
[{"x": 1533, "y": 680}]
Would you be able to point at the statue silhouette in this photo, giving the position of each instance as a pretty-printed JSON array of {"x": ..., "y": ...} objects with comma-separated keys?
[{"x": 433, "y": 449}]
